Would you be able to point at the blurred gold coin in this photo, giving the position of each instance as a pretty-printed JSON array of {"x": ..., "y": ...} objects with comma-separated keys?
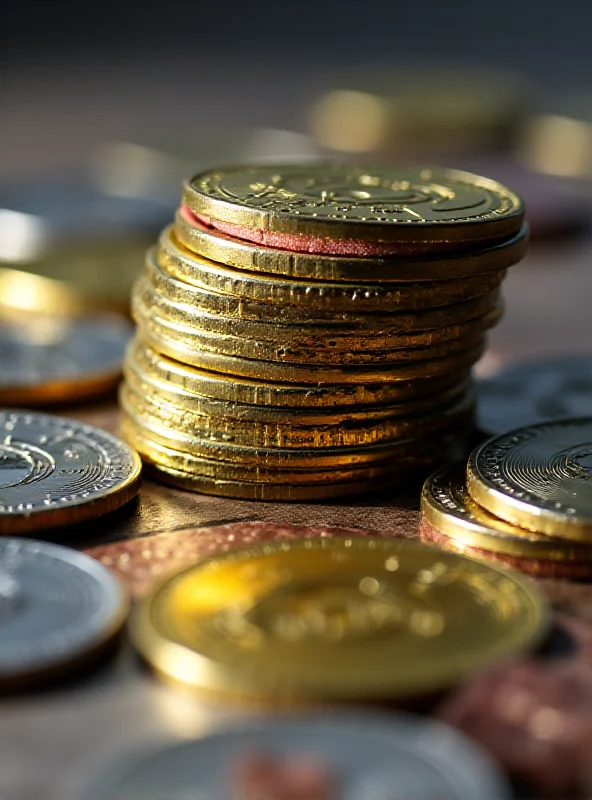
[
  {"x": 335, "y": 619},
  {"x": 353, "y": 319},
  {"x": 180, "y": 323},
  {"x": 278, "y": 395},
  {"x": 446, "y": 504},
  {"x": 22, "y": 293},
  {"x": 166, "y": 338},
  {"x": 310, "y": 295},
  {"x": 377, "y": 208},
  {"x": 292, "y": 433},
  {"x": 240, "y": 254}
]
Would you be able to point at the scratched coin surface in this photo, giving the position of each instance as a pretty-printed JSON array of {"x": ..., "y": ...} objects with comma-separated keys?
[
  {"x": 535, "y": 391},
  {"x": 335, "y": 619},
  {"x": 56, "y": 471},
  {"x": 57, "y": 608},
  {"x": 51, "y": 359},
  {"x": 343, "y": 201},
  {"x": 538, "y": 477},
  {"x": 360, "y": 756}
]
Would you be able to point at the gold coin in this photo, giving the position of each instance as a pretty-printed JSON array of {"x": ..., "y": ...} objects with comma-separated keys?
[
  {"x": 538, "y": 477},
  {"x": 335, "y": 619},
  {"x": 166, "y": 338},
  {"x": 153, "y": 363},
  {"x": 24, "y": 293},
  {"x": 433, "y": 449},
  {"x": 310, "y": 344},
  {"x": 158, "y": 387},
  {"x": 161, "y": 456},
  {"x": 356, "y": 321},
  {"x": 290, "y": 433},
  {"x": 318, "y": 295},
  {"x": 344, "y": 202},
  {"x": 217, "y": 246},
  {"x": 446, "y": 504},
  {"x": 183, "y": 325}
]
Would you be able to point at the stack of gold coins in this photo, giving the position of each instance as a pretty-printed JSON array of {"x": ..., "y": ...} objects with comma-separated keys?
[
  {"x": 525, "y": 500},
  {"x": 308, "y": 331}
]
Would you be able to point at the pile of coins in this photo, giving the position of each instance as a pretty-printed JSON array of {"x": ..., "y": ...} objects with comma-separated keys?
[
  {"x": 309, "y": 331},
  {"x": 524, "y": 500}
]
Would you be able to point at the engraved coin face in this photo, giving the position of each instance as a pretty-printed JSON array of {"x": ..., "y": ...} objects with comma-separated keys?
[
  {"x": 538, "y": 477},
  {"x": 334, "y": 619},
  {"x": 365, "y": 756},
  {"x": 351, "y": 201},
  {"x": 50, "y": 359},
  {"x": 533, "y": 392},
  {"x": 55, "y": 471},
  {"x": 56, "y": 607}
]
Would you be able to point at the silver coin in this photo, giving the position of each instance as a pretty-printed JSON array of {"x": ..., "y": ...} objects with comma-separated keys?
[
  {"x": 371, "y": 758},
  {"x": 55, "y": 471},
  {"x": 536, "y": 391},
  {"x": 56, "y": 606},
  {"x": 45, "y": 351}
]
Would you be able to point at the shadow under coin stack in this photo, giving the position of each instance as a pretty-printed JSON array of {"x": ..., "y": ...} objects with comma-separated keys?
[
  {"x": 308, "y": 332},
  {"x": 525, "y": 500}
]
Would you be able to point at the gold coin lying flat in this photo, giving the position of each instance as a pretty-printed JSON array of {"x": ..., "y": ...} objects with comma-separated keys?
[
  {"x": 240, "y": 254},
  {"x": 335, "y": 619},
  {"x": 56, "y": 471},
  {"x": 289, "y": 433},
  {"x": 181, "y": 324},
  {"x": 24, "y": 293},
  {"x": 318, "y": 295},
  {"x": 142, "y": 429},
  {"x": 57, "y": 359},
  {"x": 309, "y": 343},
  {"x": 158, "y": 387},
  {"x": 342, "y": 201},
  {"x": 446, "y": 504},
  {"x": 538, "y": 477},
  {"x": 151, "y": 362},
  {"x": 168, "y": 339},
  {"x": 353, "y": 320}
]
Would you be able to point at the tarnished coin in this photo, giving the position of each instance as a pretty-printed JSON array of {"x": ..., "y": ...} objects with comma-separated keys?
[
  {"x": 168, "y": 338},
  {"x": 314, "y": 295},
  {"x": 58, "y": 608},
  {"x": 56, "y": 471},
  {"x": 335, "y": 619},
  {"x": 183, "y": 324},
  {"x": 538, "y": 477},
  {"x": 450, "y": 519},
  {"x": 58, "y": 359},
  {"x": 241, "y": 254},
  {"x": 343, "y": 209},
  {"x": 362, "y": 756},
  {"x": 353, "y": 319},
  {"x": 535, "y": 391},
  {"x": 278, "y": 395}
]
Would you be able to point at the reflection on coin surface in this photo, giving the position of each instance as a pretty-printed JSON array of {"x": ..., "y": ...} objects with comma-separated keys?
[
  {"x": 49, "y": 359},
  {"x": 56, "y": 471},
  {"x": 57, "y": 606},
  {"x": 343, "y": 201},
  {"x": 535, "y": 391},
  {"x": 336, "y": 619},
  {"x": 367, "y": 756},
  {"x": 538, "y": 477}
]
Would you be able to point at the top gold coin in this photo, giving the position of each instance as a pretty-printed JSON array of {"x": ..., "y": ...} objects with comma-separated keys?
[{"x": 386, "y": 204}]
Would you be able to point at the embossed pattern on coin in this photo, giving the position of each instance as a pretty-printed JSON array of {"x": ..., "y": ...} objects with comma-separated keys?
[
  {"x": 57, "y": 607},
  {"x": 369, "y": 756},
  {"x": 335, "y": 619},
  {"x": 51, "y": 359},
  {"x": 55, "y": 471},
  {"x": 536, "y": 391},
  {"x": 342, "y": 201},
  {"x": 538, "y": 477}
]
